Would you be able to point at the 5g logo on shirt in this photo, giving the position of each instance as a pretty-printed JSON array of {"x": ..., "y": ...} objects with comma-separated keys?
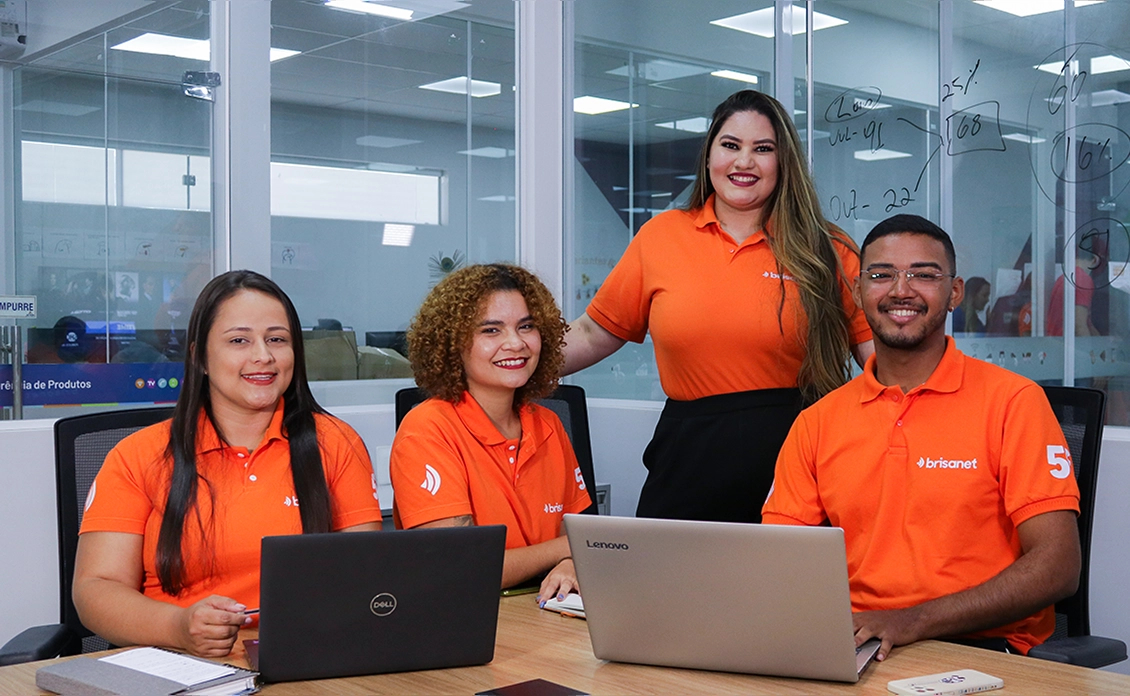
[
  {"x": 580, "y": 478},
  {"x": 1059, "y": 457}
]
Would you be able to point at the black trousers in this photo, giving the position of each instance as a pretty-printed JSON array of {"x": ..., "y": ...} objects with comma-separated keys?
[{"x": 713, "y": 458}]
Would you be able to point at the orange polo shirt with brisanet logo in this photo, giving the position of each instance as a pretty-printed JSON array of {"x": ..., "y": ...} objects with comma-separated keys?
[
  {"x": 929, "y": 486},
  {"x": 711, "y": 306},
  {"x": 449, "y": 460},
  {"x": 248, "y": 495}
]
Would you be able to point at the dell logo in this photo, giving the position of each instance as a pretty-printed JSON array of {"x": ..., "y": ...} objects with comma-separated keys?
[
  {"x": 383, "y": 604},
  {"x": 606, "y": 545}
]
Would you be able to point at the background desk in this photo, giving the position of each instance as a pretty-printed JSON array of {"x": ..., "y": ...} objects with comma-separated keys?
[{"x": 539, "y": 644}]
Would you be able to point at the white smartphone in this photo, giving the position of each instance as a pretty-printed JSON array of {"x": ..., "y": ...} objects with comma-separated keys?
[{"x": 961, "y": 681}]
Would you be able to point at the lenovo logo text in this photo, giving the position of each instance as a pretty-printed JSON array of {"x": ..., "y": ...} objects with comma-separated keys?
[{"x": 614, "y": 545}]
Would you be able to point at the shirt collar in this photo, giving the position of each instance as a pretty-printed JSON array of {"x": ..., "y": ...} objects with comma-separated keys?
[
  {"x": 478, "y": 422},
  {"x": 208, "y": 440},
  {"x": 706, "y": 217},
  {"x": 946, "y": 377}
]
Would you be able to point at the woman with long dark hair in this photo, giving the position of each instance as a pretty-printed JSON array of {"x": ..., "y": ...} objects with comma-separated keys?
[
  {"x": 168, "y": 552},
  {"x": 747, "y": 296},
  {"x": 485, "y": 344}
]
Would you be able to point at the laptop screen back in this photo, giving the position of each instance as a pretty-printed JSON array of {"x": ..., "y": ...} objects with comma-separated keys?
[
  {"x": 756, "y": 599},
  {"x": 335, "y": 605}
]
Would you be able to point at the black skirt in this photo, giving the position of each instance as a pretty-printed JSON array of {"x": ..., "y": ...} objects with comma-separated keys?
[{"x": 713, "y": 458}]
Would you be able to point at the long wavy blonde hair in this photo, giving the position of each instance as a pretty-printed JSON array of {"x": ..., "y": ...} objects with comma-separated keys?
[{"x": 803, "y": 243}]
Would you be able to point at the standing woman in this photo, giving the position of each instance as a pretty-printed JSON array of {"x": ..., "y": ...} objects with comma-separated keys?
[
  {"x": 485, "y": 344},
  {"x": 747, "y": 296},
  {"x": 168, "y": 553}
]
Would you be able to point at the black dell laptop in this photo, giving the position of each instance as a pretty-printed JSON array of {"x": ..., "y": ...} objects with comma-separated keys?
[{"x": 338, "y": 605}]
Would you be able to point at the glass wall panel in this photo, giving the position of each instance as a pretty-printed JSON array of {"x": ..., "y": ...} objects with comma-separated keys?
[
  {"x": 1047, "y": 91},
  {"x": 393, "y": 163},
  {"x": 111, "y": 202},
  {"x": 642, "y": 107}
]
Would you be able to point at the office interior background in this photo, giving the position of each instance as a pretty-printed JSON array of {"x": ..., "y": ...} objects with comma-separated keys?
[{"x": 357, "y": 152}]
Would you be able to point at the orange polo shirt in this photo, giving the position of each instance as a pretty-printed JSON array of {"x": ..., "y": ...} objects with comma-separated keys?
[
  {"x": 253, "y": 497},
  {"x": 711, "y": 306},
  {"x": 928, "y": 486},
  {"x": 449, "y": 460}
]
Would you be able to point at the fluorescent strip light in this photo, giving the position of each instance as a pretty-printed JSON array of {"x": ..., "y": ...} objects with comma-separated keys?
[
  {"x": 1109, "y": 97},
  {"x": 760, "y": 22},
  {"x": 498, "y": 199},
  {"x": 880, "y": 154},
  {"x": 492, "y": 152},
  {"x": 180, "y": 47},
  {"x": 699, "y": 124},
  {"x": 659, "y": 70},
  {"x": 458, "y": 85},
  {"x": 1024, "y": 138},
  {"x": 397, "y": 235},
  {"x": 370, "y": 8},
  {"x": 734, "y": 75},
  {"x": 1027, "y": 8},
  {"x": 57, "y": 108},
  {"x": 1108, "y": 64},
  {"x": 595, "y": 105},
  {"x": 384, "y": 141}
]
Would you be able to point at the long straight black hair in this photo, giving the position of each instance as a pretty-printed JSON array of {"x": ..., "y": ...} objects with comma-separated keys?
[{"x": 299, "y": 427}]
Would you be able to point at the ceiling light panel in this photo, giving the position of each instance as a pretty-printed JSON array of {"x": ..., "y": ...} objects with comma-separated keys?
[
  {"x": 880, "y": 154},
  {"x": 1027, "y": 8},
  {"x": 373, "y": 8},
  {"x": 459, "y": 85},
  {"x": 735, "y": 75},
  {"x": 760, "y": 22},
  {"x": 699, "y": 124},
  {"x": 596, "y": 105},
  {"x": 180, "y": 47}
]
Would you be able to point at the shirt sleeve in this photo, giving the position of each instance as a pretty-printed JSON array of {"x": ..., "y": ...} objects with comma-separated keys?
[
  {"x": 858, "y": 328},
  {"x": 349, "y": 475},
  {"x": 119, "y": 500},
  {"x": 795, "y": 497},
  {"x": 429, "y": 476},
  {"x": 1036, "y": 471},
  {"x": 621, "y": 305}
]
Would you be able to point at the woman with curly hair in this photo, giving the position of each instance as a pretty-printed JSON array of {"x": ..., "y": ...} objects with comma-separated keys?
[
  {"x": 747, "y": 297},
  {"x": 485, "y": 344}
]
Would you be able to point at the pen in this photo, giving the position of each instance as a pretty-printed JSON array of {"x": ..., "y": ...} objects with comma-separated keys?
[{"x": 251, "y": 612}]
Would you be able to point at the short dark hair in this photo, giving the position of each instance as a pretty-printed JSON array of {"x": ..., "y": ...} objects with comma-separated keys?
[{"x": 911, "y": 224}]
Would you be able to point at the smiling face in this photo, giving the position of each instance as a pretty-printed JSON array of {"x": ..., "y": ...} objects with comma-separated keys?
[
  {"x": 250, "y": 354},
  {"x": 905, "y": 315},
  {"x": 743, "y": 164},
  {"x": 504, "y": 348}
]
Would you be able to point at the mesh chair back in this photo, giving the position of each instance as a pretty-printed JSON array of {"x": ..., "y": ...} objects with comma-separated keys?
[
  {"x": 81, "y": 445},
  {"x": 567, "y": 401},
  {"x": 1080, "y": 413}
]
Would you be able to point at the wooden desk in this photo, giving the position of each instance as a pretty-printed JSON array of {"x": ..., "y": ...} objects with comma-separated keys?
[{"x": 539, "y": 644}]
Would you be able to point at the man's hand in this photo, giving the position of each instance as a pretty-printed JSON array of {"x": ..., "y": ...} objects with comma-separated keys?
[{"x": 892, "y": 627}]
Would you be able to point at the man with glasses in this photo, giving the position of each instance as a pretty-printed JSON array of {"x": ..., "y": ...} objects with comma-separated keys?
[{"x": 949, "y": 476}]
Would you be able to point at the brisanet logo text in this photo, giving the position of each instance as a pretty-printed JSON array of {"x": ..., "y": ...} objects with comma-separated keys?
[
  {"x": 927, "y": 463},
  {"x": 606, "y": 545}
]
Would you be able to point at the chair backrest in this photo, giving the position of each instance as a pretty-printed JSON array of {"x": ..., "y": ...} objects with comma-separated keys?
[
  {"x": 81, "y": 445},
  {"x": 1080, "y": 413},
  {"x": 567, "y": 401}
]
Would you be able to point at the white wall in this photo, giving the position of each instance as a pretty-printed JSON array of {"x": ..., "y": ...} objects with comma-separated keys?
[{"x": 620, "y": 431}]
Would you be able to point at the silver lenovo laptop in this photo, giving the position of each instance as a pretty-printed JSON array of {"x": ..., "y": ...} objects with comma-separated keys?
[
  {"x": 750, "y": 598},
  {"x": 336, "y": 605}
]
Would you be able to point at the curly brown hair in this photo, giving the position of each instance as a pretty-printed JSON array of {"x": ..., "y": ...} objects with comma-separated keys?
[{"x": 445, "y": 325}]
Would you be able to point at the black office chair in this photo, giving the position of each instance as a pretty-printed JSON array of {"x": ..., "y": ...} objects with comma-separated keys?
[
  {"x": 1080, "y": 413},
  {"x": 567, "y": 401},
  {"x": 81, "y": 445}
]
